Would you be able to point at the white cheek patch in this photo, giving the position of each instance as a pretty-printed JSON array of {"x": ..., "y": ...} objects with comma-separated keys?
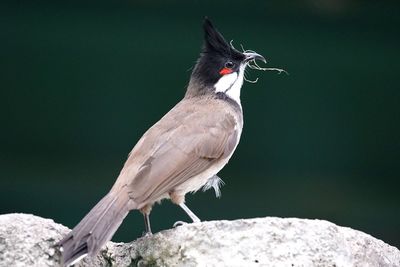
[
  {"x": 225, "y": 82},
  {"x": 230, "y": 84}
]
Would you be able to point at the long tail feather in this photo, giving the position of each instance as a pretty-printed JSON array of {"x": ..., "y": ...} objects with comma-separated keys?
[{"x": 95, "y": 229}]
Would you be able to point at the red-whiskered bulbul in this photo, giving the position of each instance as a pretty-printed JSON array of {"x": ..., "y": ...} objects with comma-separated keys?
[{"x": 181, "y": 153}]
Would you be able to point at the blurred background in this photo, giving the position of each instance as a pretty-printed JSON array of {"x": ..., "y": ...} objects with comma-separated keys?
[{"x": 81, "y": 81}]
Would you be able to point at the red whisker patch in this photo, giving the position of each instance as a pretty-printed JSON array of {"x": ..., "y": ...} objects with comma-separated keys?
[{"x": 225, "y": 71}]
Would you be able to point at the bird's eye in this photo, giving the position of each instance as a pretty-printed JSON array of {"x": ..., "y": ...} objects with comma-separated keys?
[{"x": 229, "y": 64}]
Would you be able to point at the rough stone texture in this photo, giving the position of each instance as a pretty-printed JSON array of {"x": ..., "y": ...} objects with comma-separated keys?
[{"x": 27, "y": 240}]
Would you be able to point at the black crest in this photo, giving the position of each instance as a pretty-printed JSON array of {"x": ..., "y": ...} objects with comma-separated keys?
[
  {"x": 216, "y": 51},
  {"x": 214, "y": 42}
]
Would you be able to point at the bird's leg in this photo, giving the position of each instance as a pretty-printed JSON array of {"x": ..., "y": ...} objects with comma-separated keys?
[
  {"x": 180, "y": 200},
  {"x": 146, "y": 215},
  {"x": 190, "y": 213},
  {"x": 147, "y": 224}
]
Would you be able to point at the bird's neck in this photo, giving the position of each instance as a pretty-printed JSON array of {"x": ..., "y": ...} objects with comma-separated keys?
[{"x": 196, "y": 88}]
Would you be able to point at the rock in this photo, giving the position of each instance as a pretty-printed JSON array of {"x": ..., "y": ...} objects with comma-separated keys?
[{"x": 27, "y": 240}]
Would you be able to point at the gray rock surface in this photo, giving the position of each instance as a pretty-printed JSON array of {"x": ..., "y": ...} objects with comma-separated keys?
[{"x": 28, "y": 240}]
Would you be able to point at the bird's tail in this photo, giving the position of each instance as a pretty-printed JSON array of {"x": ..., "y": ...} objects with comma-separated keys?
[{"x": 95, "y": 229}]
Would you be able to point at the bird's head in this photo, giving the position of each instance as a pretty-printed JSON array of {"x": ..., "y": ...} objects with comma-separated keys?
[{"x": 220, "y": 67}]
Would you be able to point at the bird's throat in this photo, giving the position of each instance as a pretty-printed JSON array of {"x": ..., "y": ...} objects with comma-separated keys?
[{"x": 230, "y": 84}]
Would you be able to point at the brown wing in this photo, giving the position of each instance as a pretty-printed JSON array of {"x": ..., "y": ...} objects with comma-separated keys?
[{"x": 184, "y": 143}]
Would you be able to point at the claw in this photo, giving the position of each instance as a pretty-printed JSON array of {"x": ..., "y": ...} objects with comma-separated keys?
[
  {"x": 179, "y": 223},
  {"x": 146, "y": 234}
]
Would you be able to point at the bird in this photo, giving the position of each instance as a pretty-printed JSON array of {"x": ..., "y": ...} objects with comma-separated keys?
[{"x": 181, "y": 153}]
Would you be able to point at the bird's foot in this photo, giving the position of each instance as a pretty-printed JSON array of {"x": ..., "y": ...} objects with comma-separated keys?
[
  {"x": 179, "y": 223},
  {"x": 147, "y": 234}
]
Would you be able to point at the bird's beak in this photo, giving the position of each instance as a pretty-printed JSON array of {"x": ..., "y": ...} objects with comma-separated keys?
[{"x": 253, "y": 56}]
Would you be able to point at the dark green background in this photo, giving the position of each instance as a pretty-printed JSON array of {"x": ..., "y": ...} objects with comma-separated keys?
[{"x": 82, "y": 81}]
